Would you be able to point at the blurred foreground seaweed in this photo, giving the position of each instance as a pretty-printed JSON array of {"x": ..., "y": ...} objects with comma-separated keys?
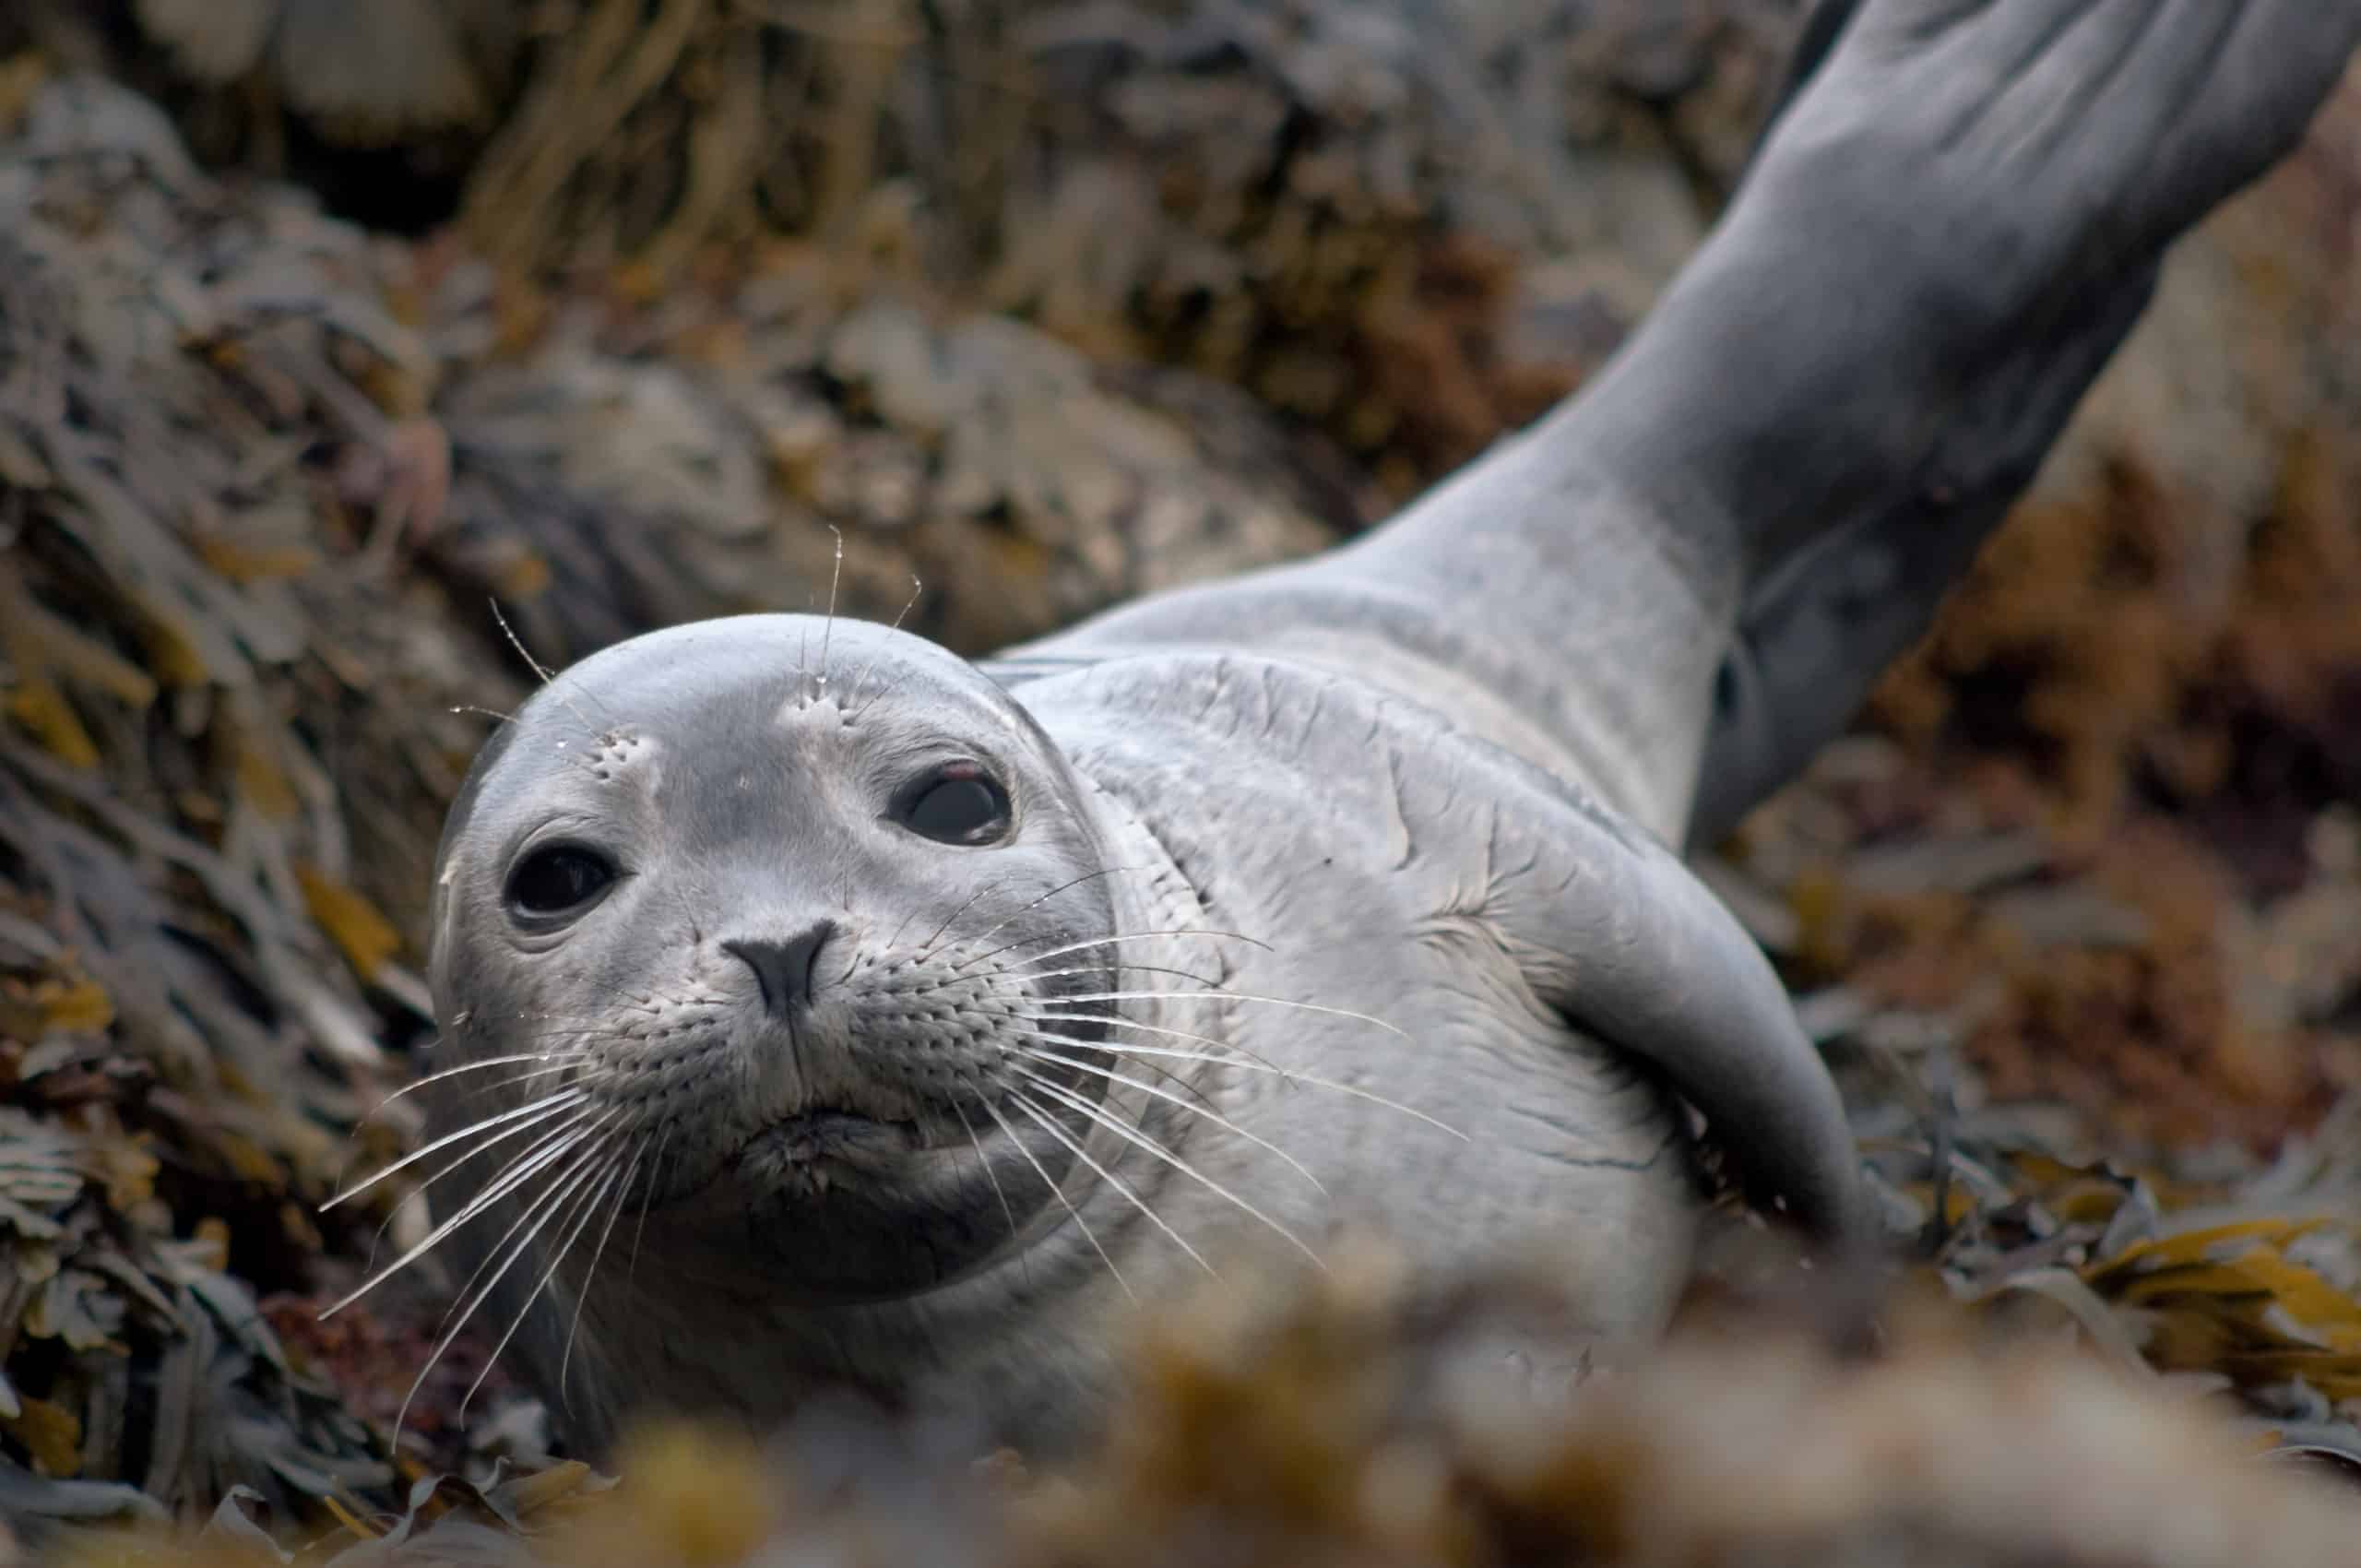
[{"x": 1341, "y": 1419}]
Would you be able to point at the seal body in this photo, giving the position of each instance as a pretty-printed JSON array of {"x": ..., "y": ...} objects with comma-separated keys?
[
  {"x": 1251, "y": 952},
  {"x": 826, "y": 1016}
]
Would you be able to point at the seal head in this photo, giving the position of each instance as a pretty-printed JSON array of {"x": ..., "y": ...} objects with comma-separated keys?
[{"x": 747, "y": 924}]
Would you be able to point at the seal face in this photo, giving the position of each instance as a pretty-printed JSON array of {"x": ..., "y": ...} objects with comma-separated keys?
[{"x": 761, "y": 937}]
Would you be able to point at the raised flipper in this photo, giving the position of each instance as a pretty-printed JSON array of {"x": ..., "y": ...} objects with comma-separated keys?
[
  {"x": 1815, "y": 634},
  {"x": 1944, "y": 237}
]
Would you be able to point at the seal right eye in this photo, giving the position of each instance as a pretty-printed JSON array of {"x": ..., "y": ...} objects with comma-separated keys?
[{"x": 557, "y": 880}]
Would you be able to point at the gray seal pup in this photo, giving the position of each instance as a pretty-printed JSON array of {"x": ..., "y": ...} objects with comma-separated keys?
[{"x": 828, "y": 1014}]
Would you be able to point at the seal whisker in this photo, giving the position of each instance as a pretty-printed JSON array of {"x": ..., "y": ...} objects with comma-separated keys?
[
  {"x": 549, "y": 681},
  {"x": 1218, "y": 994},
  {"x": 582, "y": 1293},
  {"x": 480, "y": 1090},
  {"x": 378, "y": 1236},
  {"x": 973, "y": 899},
  {"x": 1112, "y": 1077},
  {"x": 539, "y": 1110},
  {"x": 1060, "y": 887},
  {"x": 1132, "y": 1134},
  {"x": 1057, "y": 1191},
  {"x": 1049, "y": 1124},
  {"x": 1290, "y": 1074},
  {"x": 591, "y": 1029},
  {"x": 509, "y": 1061},
  {"x": 853, "y": 689},
  {"x": 983, "y": 1162},
  {"x": 1111, "y": 940},
  {"x": 646, "y": 1201},
  {"x": 1140, "y": 968},
  {"x": 1180, "y": 1083},
  {"x": 553, "y": 1146},
  {"x": 649, "y": 1002},
  {"x": 828, "y": 623},
  {"x": 572, "y": 1194},
  {"x": 583, "y": 1135},
  {"x": 1118, "y": 1020}
]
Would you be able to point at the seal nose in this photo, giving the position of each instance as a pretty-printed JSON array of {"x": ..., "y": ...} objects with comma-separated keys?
[{"x": 783, "y": 968}]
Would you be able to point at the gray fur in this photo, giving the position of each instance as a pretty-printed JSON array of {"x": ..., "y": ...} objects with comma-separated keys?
[{"x": 1406, "y": 806}]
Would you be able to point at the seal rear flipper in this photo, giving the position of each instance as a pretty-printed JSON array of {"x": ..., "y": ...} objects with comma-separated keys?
[
  {"x": 1815, "y": 635},
  {"x": 1944, "y": 237}
]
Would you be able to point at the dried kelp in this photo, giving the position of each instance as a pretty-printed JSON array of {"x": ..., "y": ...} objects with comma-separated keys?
[
  {"x": 1338, "y": 204},
  {"x": 985, "y": 482},
  {"x": 1327, "y": 204},
  {"x": 192, "y": 989}
]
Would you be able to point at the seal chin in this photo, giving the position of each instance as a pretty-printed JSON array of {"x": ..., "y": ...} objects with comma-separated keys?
[
  {"x": 814, "y": 1145},
  {"x": 836, "y": 1206}
]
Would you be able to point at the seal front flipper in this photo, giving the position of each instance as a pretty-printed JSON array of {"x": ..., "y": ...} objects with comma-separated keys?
[{"x": 1612, "y": 931}]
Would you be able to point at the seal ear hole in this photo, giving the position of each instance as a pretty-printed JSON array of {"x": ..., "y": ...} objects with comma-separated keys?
[
  {"x": 558, "y": 880},
  {"x": 958, "y": 803}
]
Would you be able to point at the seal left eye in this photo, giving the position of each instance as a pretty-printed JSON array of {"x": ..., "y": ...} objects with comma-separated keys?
[
  {"x": 961, "y": 805},
  {"x": 553, "y": 881}
]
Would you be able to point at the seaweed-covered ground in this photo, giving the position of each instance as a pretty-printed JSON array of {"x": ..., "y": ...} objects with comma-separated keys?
[{"x": 2077, "y": 910}]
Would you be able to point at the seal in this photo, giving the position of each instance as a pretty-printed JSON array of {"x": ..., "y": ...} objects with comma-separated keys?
[
  {"x": 925, "y": 1027},
  {"x": 829, "y": 1013}
]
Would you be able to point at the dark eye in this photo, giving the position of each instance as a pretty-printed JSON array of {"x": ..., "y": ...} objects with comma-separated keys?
[
  {"x": 553, "y": 881},
  {"x": 960, "y": 804}
]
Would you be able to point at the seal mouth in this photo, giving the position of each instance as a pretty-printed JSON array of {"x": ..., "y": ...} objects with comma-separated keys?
[{"x": 832, "y": 1132}]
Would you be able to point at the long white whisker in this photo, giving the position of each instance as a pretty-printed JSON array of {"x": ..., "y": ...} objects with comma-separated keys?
[
  {"x": 639, "y": 1151},
  {"x": 1144, "y": 936},
  {"x": 974, "y": 899},
  {"x": 1218, "y": 996},
  {"x": 587, "y": 1135},
  {"x": 853, "y": 688},
  {"x": 548, "y": 680},
  {"x": 547, "y": 1105},
  {"x": 984, "y": 1160},
  {"x": 990, "y": 931},
  {"x": 515, "y": 1159},
  {"x": 646, "y": 1201},
  {"x": 1117, "y": 1020},
  {"x": 550, "y": 1147},
  {"x": 1207, "y": 1112},
  {"x": 1022, "y": 1103},
  {"x": 417, "y": 1084},
  {"x": 562, "y": 1184},
  {"x": 1116, "y": 1126},
  {"x": 577, "y": 1198},
  {"x": 1107, "y": 942},
  {"x": 1125, "y": 1047},
  {"x": 1058, "y": 1192},
  {"x": 829, "y": 626},
  {"x": 562, "y": 1067},
  {"x": 1136, "y": 967}
]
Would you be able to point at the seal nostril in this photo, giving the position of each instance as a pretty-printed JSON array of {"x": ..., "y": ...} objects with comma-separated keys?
[{"x": 784, "y": 970}]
